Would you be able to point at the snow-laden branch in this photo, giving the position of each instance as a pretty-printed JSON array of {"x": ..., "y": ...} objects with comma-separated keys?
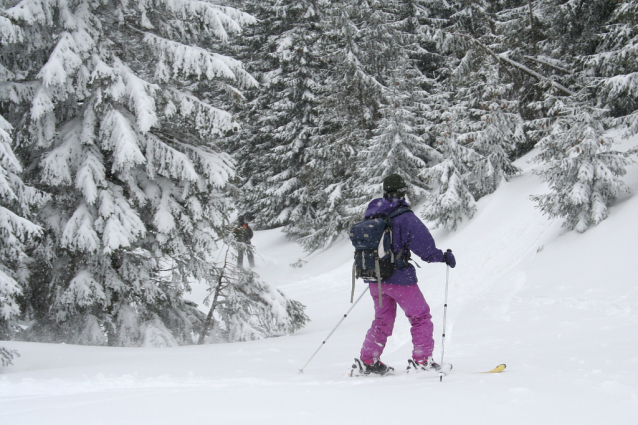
[
  {"x": 91, "y": 175},
  {"x": 66, "y": 58},
  {"x": 216, "y": 19},
  {"x": 219, "y": 19},
  {"x": 141, "y": 97},
  {"x": 19, "y": 92},
  {"x": 118, "y": 136},
  {"x": 536, "y": 75},
  {"x": 58, "y": 164},
  {"x": 121, "y": 224},
  {"x": 84, "y": 290},
  {"x": 79, "y": 234},
  {"x": 504, "y": 59},
  {"x": 209, "y": 120},
  {"x": 9, "y": 33},
  {"x": 218, "y": 167},
  {"x": 32, "y": 12},
  {"x": 542, "y": 60},
  {"x": 16, "y": 226},
  {"x": 167, "y": 161},
  {"x": 198, "y": 62}
]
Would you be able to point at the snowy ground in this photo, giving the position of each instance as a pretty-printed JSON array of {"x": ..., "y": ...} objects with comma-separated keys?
[{"x": 559, "y": 308}]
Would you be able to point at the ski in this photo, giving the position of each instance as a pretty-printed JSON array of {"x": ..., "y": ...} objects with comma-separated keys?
[
  {"x": 357, "y": 370},
  {"x": 498, "y": 369}
]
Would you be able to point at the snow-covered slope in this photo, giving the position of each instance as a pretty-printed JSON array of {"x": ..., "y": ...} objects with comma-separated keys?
[{"x": 559, "y": 308}]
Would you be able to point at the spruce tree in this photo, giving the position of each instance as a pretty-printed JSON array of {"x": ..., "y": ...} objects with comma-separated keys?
[
  {"x": 616, "y": 65},
  {"x": 373, "y": 123},
  {"x": 17, "y": 233},
  {"x": 281, "y": 118},
  {"x": 398, "y": 144},
  {"x": 589, "y": 44},
  {"x": 449, "y": 112},
  {"x": 451, "y": 200},
  {"x": 114, "y": 115},
  {"x": 583, "y": 171},
  {"x": 348, "y": 108}
]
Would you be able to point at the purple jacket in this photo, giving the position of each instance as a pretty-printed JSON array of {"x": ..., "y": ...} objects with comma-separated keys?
[{"x": 408, "y": 232}]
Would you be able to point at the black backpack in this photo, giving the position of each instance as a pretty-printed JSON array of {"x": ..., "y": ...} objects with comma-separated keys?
[{"x": 373, "y": 256}]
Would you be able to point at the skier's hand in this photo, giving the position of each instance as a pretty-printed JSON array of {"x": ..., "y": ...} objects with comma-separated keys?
[{"x": 449, "y": 258}]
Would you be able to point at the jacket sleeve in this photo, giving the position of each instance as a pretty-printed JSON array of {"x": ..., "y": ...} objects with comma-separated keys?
[{"x": 421, "y": 241}]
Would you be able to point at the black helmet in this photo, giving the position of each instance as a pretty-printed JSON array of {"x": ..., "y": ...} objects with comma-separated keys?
[{"x": 394, "y": 186}]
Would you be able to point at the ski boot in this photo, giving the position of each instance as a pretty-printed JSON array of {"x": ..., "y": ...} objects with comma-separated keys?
[
  {"x": 428, "y": 365},
  {"x": 361, "y": 368}
]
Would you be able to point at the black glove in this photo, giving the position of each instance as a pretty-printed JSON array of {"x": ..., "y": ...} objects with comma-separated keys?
[{"x": 449, "y": 258}]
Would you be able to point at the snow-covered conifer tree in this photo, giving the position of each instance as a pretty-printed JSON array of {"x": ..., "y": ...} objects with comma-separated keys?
[
  {"x": 281, "y": 118},
  {"x": 399, "y": 143},
  {"x": 451, "y": 200},
  {"x": 17, "y": 232},
  {"x": 397, "y": 146},
  {"x": 580, "y": 166},
  {"x": 475, "y": 116},
  {"x": 616, "y": 61},
  {"x": 373, "y": 123},
  {"x": 589, "y": 45},
  {"x": 347, "y": 109},
  {"x": 497, "y": 131},
  {"x": 115, "y": 116}
]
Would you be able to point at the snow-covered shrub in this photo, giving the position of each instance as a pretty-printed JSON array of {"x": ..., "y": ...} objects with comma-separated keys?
[
  {"x": 91, "y": 333},
  {"x": 7, "y": 356},
  {"x": 242, "y": 307},
  {"x": 115, "y": 116},
  {"x": 155, "y": 334}
]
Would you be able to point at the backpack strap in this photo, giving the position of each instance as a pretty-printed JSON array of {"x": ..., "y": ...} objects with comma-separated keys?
[
  {"x": 396, "y": 212},
  {"x": 354, "y": 271}
]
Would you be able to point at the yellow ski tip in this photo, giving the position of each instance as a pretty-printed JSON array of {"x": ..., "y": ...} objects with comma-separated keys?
[{"x": 497, "y": 369}]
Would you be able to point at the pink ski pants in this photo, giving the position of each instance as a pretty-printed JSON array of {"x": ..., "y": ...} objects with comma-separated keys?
[{"x": 412, "y": 302}]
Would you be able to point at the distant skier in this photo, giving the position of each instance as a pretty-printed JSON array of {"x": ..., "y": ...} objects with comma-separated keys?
[
  {"x": 243, "y": 233},
  {"x": 409, "y": 235}
]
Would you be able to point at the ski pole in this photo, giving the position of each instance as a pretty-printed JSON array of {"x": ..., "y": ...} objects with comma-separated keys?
[
  {"x": 447, "y": 281},
  {"x": 335, "y": 328}
]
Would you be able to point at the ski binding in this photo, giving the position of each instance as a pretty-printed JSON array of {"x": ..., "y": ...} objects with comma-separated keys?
[{"x": 359, "y": 369}]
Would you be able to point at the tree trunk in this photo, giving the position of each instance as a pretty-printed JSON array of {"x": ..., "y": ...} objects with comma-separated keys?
[
  {"x": 531, "y": 21},
  {"x": 209, "y": 317}
]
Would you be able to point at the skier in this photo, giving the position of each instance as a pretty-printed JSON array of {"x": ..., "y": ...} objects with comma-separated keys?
[
  {"x": 409, "y": 235},
  {"x": 243, "y": 233}
]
